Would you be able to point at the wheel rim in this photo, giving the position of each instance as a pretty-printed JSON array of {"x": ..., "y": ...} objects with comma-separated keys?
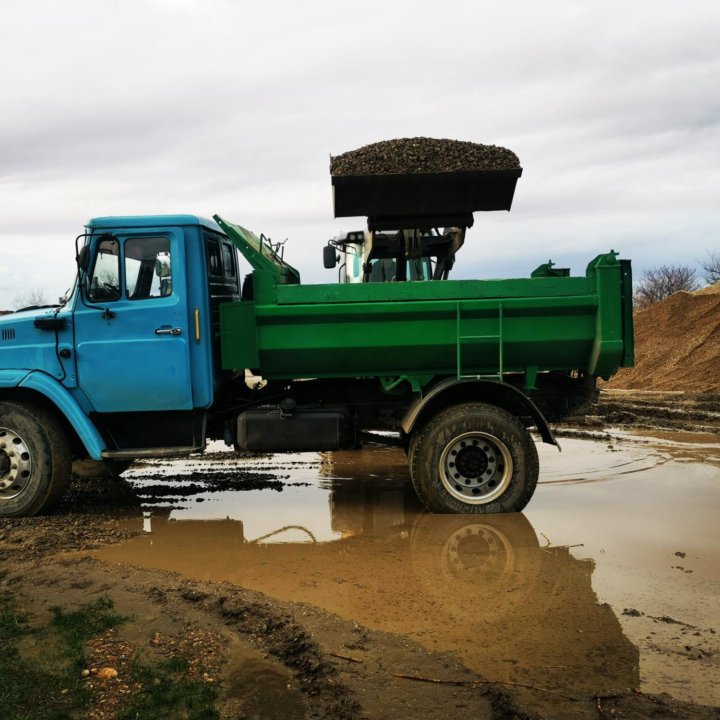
[
  {"x": 15, "y": 464},
  {"x": 476, "y": 468}
]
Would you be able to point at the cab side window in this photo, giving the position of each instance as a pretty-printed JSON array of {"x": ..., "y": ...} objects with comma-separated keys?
[
  {"x": 229, "y": 261},
  {"x": 105, "y": 276},
  {"x": 212, "y": 252},
  {"x": 148, "y": 268}
]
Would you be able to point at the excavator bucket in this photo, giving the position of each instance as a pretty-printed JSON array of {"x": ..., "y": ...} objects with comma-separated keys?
[{"x": 423, "y": 200}]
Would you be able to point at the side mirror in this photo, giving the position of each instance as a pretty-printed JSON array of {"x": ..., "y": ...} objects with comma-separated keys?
[
  {"x": 329, "y": 257},
  {"x": 82, "y": 258}
]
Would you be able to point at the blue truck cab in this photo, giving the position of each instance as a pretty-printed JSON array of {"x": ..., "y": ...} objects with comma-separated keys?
[{"x": 127, "y": 365}]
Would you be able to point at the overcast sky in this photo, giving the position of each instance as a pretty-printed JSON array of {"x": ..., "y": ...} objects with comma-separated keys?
[{"x": 233, "y": 107}]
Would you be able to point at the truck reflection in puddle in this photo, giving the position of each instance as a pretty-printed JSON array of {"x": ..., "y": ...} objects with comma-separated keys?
[
  {"x": 479, "y": 586},
  {"x": 344, "y": 532}
]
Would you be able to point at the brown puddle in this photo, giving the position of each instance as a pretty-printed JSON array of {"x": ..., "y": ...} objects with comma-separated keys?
[
  {"x": 261, "y": 690},
  {"x": 684, "y": 446},
  {"x": 583, "y": 593}
]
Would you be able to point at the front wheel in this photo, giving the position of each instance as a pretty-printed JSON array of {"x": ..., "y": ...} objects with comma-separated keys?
[
  {"x": 34, "y": 459},
  {"x": 474, "y": 458}
]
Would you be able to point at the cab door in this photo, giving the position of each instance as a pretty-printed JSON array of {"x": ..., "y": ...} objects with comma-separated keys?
[{"x": 132, "y": 325}]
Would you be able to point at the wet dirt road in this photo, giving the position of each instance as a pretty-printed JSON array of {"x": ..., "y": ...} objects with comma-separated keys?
[{"x": 608, "y": 582}]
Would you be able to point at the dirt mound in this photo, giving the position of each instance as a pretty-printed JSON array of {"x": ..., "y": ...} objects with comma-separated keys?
[
  {"x": 709, "y": 290},
  {"x": 677, "y": 345},
  {"x": 421, "y": 154}
]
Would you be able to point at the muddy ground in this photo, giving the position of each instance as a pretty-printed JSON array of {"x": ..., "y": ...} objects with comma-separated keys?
[{"x": 314, "y": 586}]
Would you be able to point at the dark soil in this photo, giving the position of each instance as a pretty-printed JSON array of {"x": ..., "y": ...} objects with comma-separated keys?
[
  {"x": 212, "y": 481},
  {"x": 672, "y": 412},
  {"x": 422, "y": 155}
]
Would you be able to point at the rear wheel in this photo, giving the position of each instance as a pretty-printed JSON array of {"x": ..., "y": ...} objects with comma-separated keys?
[
  {"x": 34, "y": 460},
  {"x": 474, "y": 458}
]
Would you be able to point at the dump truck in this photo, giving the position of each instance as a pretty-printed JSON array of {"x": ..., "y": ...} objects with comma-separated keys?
[{"x": 161, "y": 347}]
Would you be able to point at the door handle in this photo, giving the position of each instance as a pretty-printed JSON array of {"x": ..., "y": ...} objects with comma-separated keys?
[{"x": 168, "y": 331}]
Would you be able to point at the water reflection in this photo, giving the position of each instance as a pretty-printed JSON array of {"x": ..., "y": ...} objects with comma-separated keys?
[
  {"x": 343, "y": 531},
  {"x": 480, "y": 586}
]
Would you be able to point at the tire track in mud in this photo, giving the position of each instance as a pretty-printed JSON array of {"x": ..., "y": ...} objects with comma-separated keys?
[{"x": 331, "y": 687}]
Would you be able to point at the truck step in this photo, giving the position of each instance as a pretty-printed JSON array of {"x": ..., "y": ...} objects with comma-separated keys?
[{"x": 162, "y": 452}]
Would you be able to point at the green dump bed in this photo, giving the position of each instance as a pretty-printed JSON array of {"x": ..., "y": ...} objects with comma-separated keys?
[{"x": 548, "y": 322}]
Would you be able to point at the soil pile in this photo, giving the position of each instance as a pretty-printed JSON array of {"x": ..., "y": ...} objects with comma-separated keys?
[
  {"x": 422, "y": 155},
  {"x": 677, "y": 344}
]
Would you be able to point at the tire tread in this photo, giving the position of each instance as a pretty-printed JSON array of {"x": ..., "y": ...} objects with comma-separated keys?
[
  {"x": 422, "y": 443},
  {"x": 49, "y": 430}
]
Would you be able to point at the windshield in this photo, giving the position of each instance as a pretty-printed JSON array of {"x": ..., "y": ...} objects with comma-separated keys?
[{"x": 384, "y": 269}]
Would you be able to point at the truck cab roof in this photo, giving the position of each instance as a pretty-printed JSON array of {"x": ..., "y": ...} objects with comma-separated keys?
[{"x": 134, "y": 221}]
